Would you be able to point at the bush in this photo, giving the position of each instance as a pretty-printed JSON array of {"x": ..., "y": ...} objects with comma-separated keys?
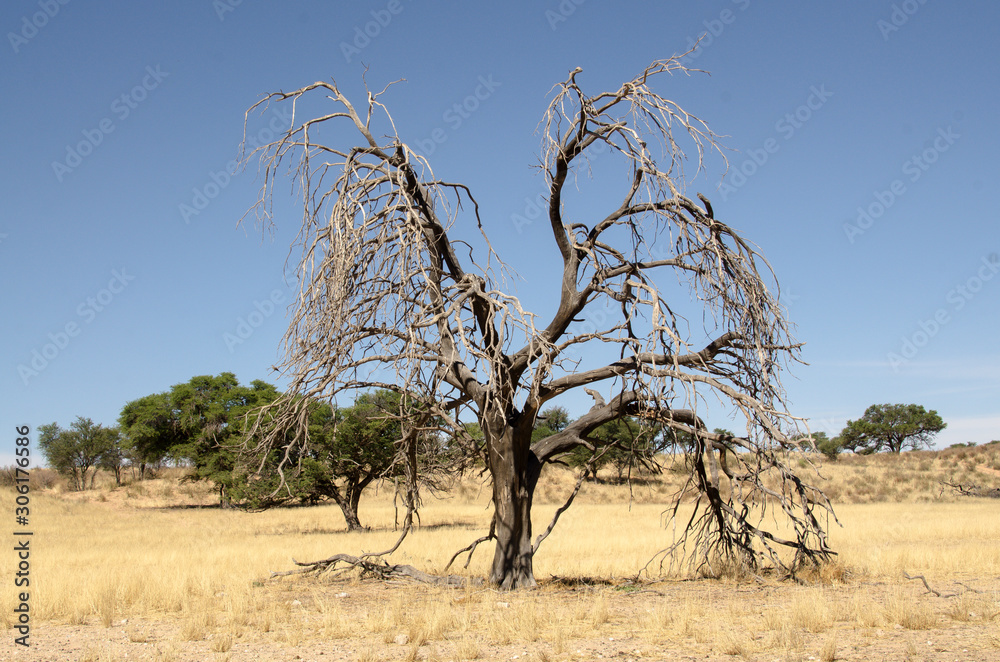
[
  {"x": 38, "y": 479},
  {"x": 829, "y": 447}
]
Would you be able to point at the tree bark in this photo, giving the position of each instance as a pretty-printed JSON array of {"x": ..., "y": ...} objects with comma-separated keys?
[
  {"x": 348, "y": 506},
  {"x": 355, "y": 502},
  {"x": 351, "y": 517},
  {"x": 515, "y": 471}
]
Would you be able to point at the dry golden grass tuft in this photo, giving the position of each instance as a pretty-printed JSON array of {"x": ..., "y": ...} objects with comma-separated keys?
[
  {"x": 467, "y": 648},
  {"x": 221, "y": 643},
  {"x": 969, "y": 607},
  {"x": 369, "y": 654},
  {"x": 901, "y": 609},
  {"x": 736, "y": 642},
  {"x": 166, "y": 654},
  {"x": 811, "y": 611},
  {"x": 829, "y": 651}
]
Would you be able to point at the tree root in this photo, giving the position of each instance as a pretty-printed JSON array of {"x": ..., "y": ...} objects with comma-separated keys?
[{"x": 380, "y": 570}]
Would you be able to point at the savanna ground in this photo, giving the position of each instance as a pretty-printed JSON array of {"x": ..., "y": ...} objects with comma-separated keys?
[{"x": 149, "y": 572}]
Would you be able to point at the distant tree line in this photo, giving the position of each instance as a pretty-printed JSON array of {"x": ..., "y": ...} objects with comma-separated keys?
[
  {"x": 199, "y": 423},
  {"x": 888, "y": 427}
]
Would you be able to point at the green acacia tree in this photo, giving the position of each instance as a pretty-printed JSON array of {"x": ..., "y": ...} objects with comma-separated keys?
[
  {"x": 822, "y": 443},
  {"x": 550, "y": 421},
  {"x": 210, "y": 412},
  {"x": 348, "y": 450},
  {"x": 198, "y": 420},
  {"x": 828, "y": 447},
  {"x": 115, "y": 457},
  {"x": 74, "y": 452},
  {"x": 203, "y": 420},
  {"x": 152, "y": 428},
  {"x": 624, "y": 444},
  {"x": 634, "y": 445},
  {"x": 892, "y": 428},
  {"x": 363, "y": 448}
]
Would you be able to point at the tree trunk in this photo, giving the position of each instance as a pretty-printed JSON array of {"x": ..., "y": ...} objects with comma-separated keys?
[
  {"x": 515, "y": 473},
  {"x": 354, "y": 493},
  {"x": 351, "y": 517},
  {"x": 355, "y": 501},
  {"x": 348, "y": 506}
]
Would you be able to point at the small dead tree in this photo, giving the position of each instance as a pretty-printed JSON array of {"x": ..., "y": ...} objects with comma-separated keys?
[
  {"x": 972, "y": 490},
  {"x": 389, "y": 299}
]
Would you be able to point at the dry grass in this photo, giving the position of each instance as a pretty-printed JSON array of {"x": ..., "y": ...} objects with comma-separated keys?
[
  {"x": 910, "y": 477},
  {"x": 201, "y": 569}
]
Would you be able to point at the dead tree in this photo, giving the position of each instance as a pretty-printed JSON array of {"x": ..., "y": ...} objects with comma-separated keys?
[
  {"x": 389, "y": 299},
  {"x": 973, "y": 490}
]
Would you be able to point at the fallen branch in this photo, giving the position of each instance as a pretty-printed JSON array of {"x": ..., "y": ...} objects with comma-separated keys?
[
  {"x": 381, "y": 570},
  {"x": 968, "y": 589},
  {"x": 974, "y": 490},
  {"x": 928, "y": 586}
]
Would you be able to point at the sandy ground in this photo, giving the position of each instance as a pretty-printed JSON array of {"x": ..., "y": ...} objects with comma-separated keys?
[{"x": 623, "y": 634}]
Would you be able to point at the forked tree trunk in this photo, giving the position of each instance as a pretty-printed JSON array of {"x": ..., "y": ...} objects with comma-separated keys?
[{"x": 515, "y": 473}]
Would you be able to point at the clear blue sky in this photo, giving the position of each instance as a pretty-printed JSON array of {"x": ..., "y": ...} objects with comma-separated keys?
[{"x": 854, "y": 105}]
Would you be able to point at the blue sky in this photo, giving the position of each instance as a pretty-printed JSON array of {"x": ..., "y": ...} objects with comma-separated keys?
[{"x": 866, "y": 136}]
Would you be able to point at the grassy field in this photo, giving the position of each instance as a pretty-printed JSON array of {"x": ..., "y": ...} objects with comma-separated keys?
[{"x": 146, "y": 571}]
